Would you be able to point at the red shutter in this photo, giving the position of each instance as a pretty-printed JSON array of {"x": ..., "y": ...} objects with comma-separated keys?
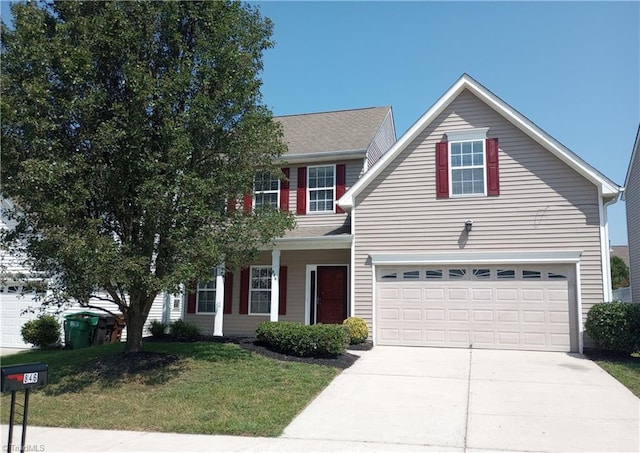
[
  {"x": 341, "y": 181},
  {"x": 493, "y": 173},
  {"x": 228, "y": 293},
  {"x": 248, "y": 202},
  {"x": 231, "y": 204},
  {"x": 282, "y": 306},
  {"x": 301, "y": 207},
  {"x": 284, "y": 191},
  {"x": 191, "y": 297},
  {"x": 442, "y": 170},
  {"x": 244, "y": 291}
]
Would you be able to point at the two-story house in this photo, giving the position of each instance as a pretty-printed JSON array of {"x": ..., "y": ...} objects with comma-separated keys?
[
  {"x": 306, "y": 276},
  {"x": 632, "y": 202}
]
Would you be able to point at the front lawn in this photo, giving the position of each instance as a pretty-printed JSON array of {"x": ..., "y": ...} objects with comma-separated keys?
[
  {"x": 625, "y": 369},
  {"x": 203, "y": 387}
]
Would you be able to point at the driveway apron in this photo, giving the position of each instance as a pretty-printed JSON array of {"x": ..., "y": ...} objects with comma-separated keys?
[{"x": 461, "y": 399}]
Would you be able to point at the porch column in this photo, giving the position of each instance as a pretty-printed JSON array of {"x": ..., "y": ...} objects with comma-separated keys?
[
  {"x": 218, "y": 318},
  {"x": 275, "y": 284}
]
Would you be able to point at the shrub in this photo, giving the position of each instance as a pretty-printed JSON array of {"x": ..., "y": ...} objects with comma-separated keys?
[
  {"x": 357, "y": 329},
  {"x": 42, "y": 332},
  {"x": 157, "y": 328},
  {"x": 615, "y": 326},
  {"x": 304, "y": 341},
  {"x": 184, "y": 331}
]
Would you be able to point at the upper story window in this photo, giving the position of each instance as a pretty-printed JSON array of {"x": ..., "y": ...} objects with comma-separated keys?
[
  {"x": 321, "y": 187},
  {"x": 467, "y": 168},
  {"x": 266, "y": 188}
]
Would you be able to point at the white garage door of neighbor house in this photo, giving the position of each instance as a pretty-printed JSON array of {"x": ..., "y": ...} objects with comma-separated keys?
[
  {"x": 12, "y": 304},
  {"x": 490, "y": 307}
]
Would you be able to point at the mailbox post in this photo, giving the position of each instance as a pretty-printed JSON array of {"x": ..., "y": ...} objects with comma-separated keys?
[{"x": 22, "y": 377}]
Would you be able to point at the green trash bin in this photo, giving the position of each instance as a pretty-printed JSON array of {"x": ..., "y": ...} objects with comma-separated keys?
[{"x": 79, "y": 329}]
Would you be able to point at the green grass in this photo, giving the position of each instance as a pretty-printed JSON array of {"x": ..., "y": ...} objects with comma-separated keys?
[
  {"x": 624, "y": 369},
  {"x": 215, "y": 388}
]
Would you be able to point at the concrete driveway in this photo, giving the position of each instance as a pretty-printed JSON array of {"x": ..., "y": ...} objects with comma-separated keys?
[{"x": 460, "y": 399}]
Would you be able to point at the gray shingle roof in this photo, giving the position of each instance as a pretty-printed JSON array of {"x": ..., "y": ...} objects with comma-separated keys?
[{"x": 344, "y": 130}]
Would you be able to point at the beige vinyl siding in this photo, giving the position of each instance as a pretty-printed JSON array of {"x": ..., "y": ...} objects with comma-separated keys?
[
  {"x": 544, "y": 204},
  {"x": 383, "y": 140},
  {"x": 353, "y": 170},
  {"x": 632, "y": 201},
  {"x": 296, "y": 262}
]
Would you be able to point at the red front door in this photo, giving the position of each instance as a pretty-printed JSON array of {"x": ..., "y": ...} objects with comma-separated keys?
[{"x": 331, "y": 297}]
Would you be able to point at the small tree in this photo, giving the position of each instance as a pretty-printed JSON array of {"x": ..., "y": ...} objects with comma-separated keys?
[
  {"x": 129, "y": 130},
  {"x": 619, "y": 273}
]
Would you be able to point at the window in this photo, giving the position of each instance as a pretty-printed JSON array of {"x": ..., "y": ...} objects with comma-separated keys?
[
  {"x": 260, "y": 290},
  {"x": 467, "y": 168},
  {"x": 531, "y": 274},
  {"x": 506, "y": 273},
  {"x": 482, "y": 274},
  {"x": 206, "y": 296},
  {"x": 390, "y": 275},
  {"x": 457, "y": 274},
  {"x": 411, "y": 275},
  {"x": 176, "y": 301},
  {"x": 554, "y": 276},
  {"x": 433, "y": 274},
  {"x": 266, "y": 188},
  {"x": 321, "y": 186}
]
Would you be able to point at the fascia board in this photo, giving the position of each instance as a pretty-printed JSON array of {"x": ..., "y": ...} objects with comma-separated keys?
[
  {"x": 326, "y": 156},
  {"x": 636, "y": 146},
  {"x": 515, "y": 257}
]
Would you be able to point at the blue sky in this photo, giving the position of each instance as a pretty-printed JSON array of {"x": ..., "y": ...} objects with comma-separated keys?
[{"x": 573, "y": 68}]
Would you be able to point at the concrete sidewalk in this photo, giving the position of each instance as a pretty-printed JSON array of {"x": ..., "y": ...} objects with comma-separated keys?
[{"x": 421, "y": 399}]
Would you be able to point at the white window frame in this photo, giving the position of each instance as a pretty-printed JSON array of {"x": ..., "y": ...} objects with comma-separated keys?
[
  {"x": 277, "y": 191},
  {"x": 252, "y": 290},
  {"x": 467, "y": 135},
  {"x": 207, "y": 290},
  {"x": 483, "y": 167},
  {"x": 333, "y": 188}
]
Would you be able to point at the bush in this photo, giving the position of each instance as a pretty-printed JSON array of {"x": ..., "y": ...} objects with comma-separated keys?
[
  {"x": 184, "y": 331},
  {"x": 357, "y": 329},
  {"x": 42, "y": 332},
  {"x": 157, "y": 328},
  {"x": 305, "y": 341},
  {"x": 615, "y": 326}
]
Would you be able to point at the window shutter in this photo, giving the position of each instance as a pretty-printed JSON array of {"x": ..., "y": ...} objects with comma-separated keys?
[
  {"x": 231, "y": 204},
  {"x": 493, "y": 173},
  {"x": 228, "y": 293},
  {"x": 341, "y": 181},
  {"x": 248, "y": 202},
  {"x": 442, "y": 170},
  {"x": 301, "y": 205},
  {"x": 284, "y": 191},
  {"x": 244, "y": 291},
  {"x": 192, "y": 288},
  {"x": 282, "y": 305}
]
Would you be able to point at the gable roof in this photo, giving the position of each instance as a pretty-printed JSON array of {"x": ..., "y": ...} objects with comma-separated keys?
[
  {"x": 466, "y": 82},
  {"x": 330, "y": 132},
  {"x": 634, "y": 153}
]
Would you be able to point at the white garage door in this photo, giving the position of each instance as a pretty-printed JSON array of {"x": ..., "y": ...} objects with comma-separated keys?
[
  {"x": 11, "y": 305},
  {"x": 495, "y": 307}
]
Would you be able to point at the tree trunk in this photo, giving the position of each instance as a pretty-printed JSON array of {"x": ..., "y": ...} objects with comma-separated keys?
[{"x": 136, "y": 316}]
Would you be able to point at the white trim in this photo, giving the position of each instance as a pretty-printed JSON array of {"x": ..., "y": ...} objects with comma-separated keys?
[
  {"x": 374, "y": 304},
  {"x": 608, "y": 187},
  {"x": 352, "y": 271},
  {"x": 604, "y": 250},
  {"x": 579, "y": 308},
  {"x": 467, "y": 135},
  {"x": 515, "y": 257},
  {"x": 308, "y": 189},
  {"x": 467, "y": 167}
]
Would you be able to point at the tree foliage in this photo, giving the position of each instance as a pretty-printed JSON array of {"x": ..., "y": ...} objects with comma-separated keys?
[
  {"x": 619, "y": 273},
  {"x": 128, "y": 131}
]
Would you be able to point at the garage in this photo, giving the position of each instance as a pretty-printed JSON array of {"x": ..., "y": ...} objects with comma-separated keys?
[
  {"x": 528, "y": 307},
  {"x": 13, "y": 304}
]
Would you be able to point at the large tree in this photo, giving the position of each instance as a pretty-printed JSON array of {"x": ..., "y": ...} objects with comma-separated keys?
[{"x": 129, "y": 129}]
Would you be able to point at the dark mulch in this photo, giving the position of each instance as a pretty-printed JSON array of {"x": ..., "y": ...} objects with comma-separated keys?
[
  {"x": 596, "y": 354},
  {"x": 117, "y": 365}
]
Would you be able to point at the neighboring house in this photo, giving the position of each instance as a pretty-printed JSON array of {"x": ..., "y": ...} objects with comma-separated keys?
[
  {"x": 15, "y": 297},
  {"x": 306, "y": 277},
  {"x": 621, "y": 251},
  {"x": 632, "y": 202}
]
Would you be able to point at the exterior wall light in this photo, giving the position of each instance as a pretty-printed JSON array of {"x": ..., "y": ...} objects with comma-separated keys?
[{"x": 468, "y": 225}]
